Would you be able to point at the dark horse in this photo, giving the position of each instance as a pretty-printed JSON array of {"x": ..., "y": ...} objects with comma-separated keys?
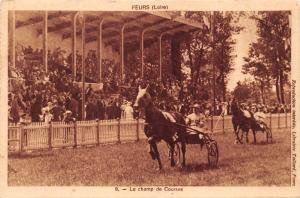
[
  {"x": 240, "y": 121},
  {"x": 161, "y": 126}
]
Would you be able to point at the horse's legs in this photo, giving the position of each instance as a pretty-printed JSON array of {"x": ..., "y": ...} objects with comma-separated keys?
[
  {"x": 236, "y": 131},
  {"x": 183, "y": 149},
  {"x": 172, "y": 146},
  {"x": 247, "y": 140},
  {"x": 155, "y": 150},
  {"x": 254, "y": 136},
  {"x": 242, "y": 136},
  {"x": 151, "y": 152}
]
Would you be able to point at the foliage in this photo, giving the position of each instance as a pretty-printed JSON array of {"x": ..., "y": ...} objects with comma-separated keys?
[
  {"x": 203, "y": 50},
  {"x": 255, "y": 66},
  {"x": 224, "y": 46},
  {"x": 270, "y": 56},
  {"x": 246, "y": 91}
]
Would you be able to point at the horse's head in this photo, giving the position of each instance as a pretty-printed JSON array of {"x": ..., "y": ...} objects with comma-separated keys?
[{"x": 143, "y": 98}]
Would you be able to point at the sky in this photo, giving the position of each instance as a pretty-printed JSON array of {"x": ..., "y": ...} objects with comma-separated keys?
[{"x": 247, "y": 36}]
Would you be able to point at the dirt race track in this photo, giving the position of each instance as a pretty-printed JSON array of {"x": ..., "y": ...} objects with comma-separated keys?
[{"x": 130, "y": 164}]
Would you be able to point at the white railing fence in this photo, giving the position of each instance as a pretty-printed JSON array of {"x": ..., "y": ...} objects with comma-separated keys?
[{"x": 40, "y": 135}]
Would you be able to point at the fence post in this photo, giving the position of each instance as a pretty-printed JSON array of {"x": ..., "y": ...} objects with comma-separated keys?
[
  {"x": 286, "y": 125},
  {"x": 75, "y": 133},
  {"x": 223, "y": 123},
  {"x": 270, "y": 120},
  {"x": 212, "y": 124},
  {"x": 278, "y": 120},
  {"x": 50, "y": 136},
  {"x": 21, "y": 139},
  {"x": 137, "y": 129},
  {"x": 119, "y": 130},
  {"x": 98, "y": 132}
]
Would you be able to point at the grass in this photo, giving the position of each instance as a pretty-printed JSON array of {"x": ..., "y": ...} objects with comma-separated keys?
[{"x": 130, "y": 164}]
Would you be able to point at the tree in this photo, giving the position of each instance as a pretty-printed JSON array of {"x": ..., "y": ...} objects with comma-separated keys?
[
  {"x": 256, "y": 66},
  {"x": 198, "y": 47},
  {"x": 224, "y": 29},
  {"x": 246, "y": 91},
  {"x": 272, "y": 48}
]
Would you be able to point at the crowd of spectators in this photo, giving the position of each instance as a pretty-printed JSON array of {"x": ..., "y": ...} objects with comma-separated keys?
[{"x": 39, "y": 96}]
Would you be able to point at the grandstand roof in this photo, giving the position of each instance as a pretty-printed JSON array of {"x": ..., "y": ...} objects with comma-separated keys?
[{"x": 155, "y": 23}]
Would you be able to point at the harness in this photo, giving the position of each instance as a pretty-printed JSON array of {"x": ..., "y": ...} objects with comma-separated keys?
[
  {"x": 150, "y": 133},
  {"x": 168, "y": 116}
]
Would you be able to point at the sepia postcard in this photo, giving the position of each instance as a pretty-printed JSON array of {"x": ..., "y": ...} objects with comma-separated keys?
[{"x": 111, "y": 98}]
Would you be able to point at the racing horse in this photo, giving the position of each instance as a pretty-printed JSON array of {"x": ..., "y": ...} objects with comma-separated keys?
[
  {"x": 243, "y": 122},
  {"x": 161, "y": 125}
]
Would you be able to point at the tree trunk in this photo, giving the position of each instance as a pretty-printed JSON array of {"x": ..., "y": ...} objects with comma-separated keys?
[
  {"x": 223, "y": 88},
  {"x": 198, "y": 63},
  {"x": 278, "y": 90},
  {"x": 262, "y": 92},
  {"x": 281, "y": 84}
]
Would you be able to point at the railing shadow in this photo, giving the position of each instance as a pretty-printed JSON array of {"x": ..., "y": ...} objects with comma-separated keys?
[{"x": 25, "y": 155}]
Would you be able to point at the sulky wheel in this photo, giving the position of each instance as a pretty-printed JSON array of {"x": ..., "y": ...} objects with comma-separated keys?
[
  {"x": 268, "y": 135},
  {"x": 239, "y": 135},
  {"x": 213, "y": 153}
]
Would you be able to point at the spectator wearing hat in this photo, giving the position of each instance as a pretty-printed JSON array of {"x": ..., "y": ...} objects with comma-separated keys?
[
  {"x": 128, "y": 111},
  {"x": 57, "y": 111},
  {"x": 48, "y": 116},
  {"x": 68, "y": 116},
  {"x": 23, "y": 119},
  {"x": 90, "y": 110},
  {"x": 101, "y": 109}
]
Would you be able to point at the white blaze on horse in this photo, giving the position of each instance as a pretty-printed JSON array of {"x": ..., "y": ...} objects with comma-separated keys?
[{"x": 160, "y": 125}]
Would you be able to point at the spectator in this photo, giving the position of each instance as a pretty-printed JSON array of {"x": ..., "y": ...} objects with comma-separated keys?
[
  {"x": 90, "y": 110},
  {"x": 36, "y": 109},
  {"x": 57, "y": 111},
  {"x": 74, "y": 107},
  {"x": 101, "y": 109},
  {"x": 14, "y": 109},
  {"x": 128, "y": 111}
]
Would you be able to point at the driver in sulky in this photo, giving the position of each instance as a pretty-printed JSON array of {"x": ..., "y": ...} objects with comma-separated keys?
[
  {"x": 260, "y": 116},
  {"x": 196, "y": 119}
]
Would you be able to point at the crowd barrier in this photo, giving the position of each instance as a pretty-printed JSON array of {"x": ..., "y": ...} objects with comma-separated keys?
[
  {"x": 40, "y": 135},
  {"x": 221, "y": 124}
]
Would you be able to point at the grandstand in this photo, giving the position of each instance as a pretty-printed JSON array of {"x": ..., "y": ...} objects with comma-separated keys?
[{"x": 53, "y": 55}]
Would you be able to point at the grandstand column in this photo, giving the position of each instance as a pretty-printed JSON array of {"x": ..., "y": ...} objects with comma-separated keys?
[
  {"x": 122, "y": 52},
  {"x": 99, "y": 48},
  {"x": 142, "y": 52},
  {"x": 12, "y": 38},
  {"x": 45, "y": 41},
  {"x": 74, "y": 47},
  {"x": 83, "y": 66}
]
